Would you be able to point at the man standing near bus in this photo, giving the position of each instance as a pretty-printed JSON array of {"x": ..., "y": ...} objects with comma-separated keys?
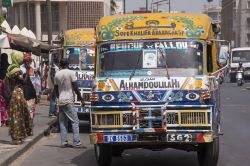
[
  {"x": 50, "y": 86},
  {"x": 65, "y": 86}
]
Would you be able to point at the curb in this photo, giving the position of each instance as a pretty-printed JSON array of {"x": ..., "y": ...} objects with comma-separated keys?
[{"x": 23, "y": 148}]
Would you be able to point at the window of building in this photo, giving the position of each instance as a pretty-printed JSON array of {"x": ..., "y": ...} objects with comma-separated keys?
[
  {"x": 55, "y": 17},
  {"x": 32, "y": 19},
  {"x": 84, "y": 14},
  {"x": 248, "y": 21},
  {"x": 17, "y": 20},
  {"x": 248, "y": 4},
  {"x": 248, "y": 38}
]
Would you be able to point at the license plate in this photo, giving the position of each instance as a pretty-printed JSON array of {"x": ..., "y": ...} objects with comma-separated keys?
[
  {"x": 118, "y": 138},
  {"x": 82, "y": 110},
  {"x": 179, "y": 137}
]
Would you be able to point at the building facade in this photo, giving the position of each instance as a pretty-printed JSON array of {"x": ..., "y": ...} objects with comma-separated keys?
[
  {"x": 227, "y": 32},
  {"x": 65, "y": 15},
  {"x": 119, "y": 7},
  {"x": 214, "y": 11},
  {"x": 241, "y": 22}
]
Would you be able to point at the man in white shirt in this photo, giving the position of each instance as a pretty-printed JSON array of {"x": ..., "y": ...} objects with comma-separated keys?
[{"x": 65, "y": 86}]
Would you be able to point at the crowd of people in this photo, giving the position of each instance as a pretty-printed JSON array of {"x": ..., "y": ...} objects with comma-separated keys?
[
  {"x": 21, "y": 84},
  {"x": 20, "y": 89}
]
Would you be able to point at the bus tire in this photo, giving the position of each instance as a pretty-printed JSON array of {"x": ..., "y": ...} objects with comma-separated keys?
[
  {"x": 103, "y": 154},
  {"x": 208, "y": 153}
]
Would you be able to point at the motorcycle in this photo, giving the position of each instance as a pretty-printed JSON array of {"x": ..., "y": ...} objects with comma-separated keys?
[{"x": 239, "y": 77}]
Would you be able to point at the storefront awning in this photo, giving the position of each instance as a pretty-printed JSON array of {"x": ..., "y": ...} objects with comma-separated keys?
[{"x": 27, "y": 44}]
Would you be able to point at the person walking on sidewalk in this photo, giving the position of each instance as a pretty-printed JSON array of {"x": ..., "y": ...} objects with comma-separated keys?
[
  {"x": 51, "y": 92},
  {"x": 28, "y": 72},
  {"x": 4, "y": 64},
  {"x": 20, "y": 121},
  {"x": 65, "y": 86},
  {"x": 4, "y": 117}
]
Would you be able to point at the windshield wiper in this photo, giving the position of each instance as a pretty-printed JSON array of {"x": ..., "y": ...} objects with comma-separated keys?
[
  {"x": 166, "y": 67},
  {"x": 137, "y": 63}
]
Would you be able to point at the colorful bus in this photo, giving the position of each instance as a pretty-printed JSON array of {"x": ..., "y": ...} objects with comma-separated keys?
[
  {"x": 79, "y": 49},
  {"x": 155, "y": 85}
]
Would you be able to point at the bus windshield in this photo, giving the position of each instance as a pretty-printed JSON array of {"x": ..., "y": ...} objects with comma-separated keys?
[
  {"x": 151, "y": 58},
  {"x": 241, "y": 56},
  {"x": 81, "y": 58}
]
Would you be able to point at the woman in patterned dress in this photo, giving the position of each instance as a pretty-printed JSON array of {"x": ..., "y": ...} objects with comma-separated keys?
[{"x": 20, "y": 120}]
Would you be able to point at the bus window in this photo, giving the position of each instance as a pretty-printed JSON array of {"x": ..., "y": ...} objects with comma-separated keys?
[{"x": 209, "y": 59}]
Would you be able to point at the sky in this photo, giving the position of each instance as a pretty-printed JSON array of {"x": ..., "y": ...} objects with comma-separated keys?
[{"x": 176, "y": 5}]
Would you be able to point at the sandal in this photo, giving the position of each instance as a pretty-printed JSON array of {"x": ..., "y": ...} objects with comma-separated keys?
[{"x": 17, "y": 142}]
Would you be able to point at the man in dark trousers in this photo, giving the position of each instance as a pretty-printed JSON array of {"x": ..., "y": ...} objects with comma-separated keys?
[
  {"x": 50, "y": 86},
  {"x": 65, "y": 86}
]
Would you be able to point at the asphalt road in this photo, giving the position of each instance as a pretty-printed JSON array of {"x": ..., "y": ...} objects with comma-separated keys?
[{"x": 234, "y": 144}]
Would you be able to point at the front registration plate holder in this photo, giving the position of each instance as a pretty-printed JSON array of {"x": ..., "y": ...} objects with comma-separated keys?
[
  {"x": 179, "y": 137},
  {"x": 118, "y": 138}
]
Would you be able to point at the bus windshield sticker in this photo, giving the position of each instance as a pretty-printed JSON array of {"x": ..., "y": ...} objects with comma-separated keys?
[{"x": 149, "y": 58}]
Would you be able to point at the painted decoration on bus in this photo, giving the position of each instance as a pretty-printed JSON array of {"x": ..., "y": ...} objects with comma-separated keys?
[
  {"x": 151, "y": 96},
  {"x": 84, "y": 75},
  {"x": 153, "y": 26},
  {"x": 168, "y": 45},
  {"x": 79, "y": 37},
  {"x": 120, "y": 84},
  {"x": 81, "y": 57}
]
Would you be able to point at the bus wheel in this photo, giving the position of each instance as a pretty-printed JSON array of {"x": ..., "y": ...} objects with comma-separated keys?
[
  {"x": 117, "y": 151},
  {"x": 208, "y": 154},
  {"x": 103, "y": 154}
]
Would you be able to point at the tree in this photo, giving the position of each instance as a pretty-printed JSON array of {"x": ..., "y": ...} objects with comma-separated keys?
[{"x": 113, "y": 6}]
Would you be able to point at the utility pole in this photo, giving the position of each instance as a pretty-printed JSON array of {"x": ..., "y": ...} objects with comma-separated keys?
[
  {"x": 124, "y": 6},
  {"x": 49, "y": 15},
  {"x": 28, "y": 13},
  {"x": 146, "y": 5}
]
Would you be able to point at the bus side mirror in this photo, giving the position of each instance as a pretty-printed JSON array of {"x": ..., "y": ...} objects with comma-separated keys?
[
  {"x": 216, "y": 28},
  {"x": 224, "y": 55}
]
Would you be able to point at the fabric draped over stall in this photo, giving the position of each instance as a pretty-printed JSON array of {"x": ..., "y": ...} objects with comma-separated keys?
[{"x": 26, "y": 44}]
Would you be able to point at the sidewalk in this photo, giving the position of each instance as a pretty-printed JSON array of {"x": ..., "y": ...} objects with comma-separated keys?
[{"x": 8, "y": 152}]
